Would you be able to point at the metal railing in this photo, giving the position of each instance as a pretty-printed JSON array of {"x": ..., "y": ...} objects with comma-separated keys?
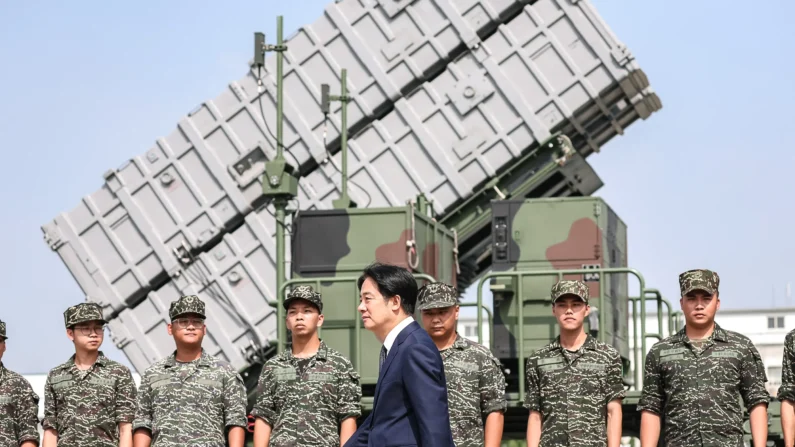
[
  {"x": 357, "y": 328},
  {"x": 559, "y": 273}
]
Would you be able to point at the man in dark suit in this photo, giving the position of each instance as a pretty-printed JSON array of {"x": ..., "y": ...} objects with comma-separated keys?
[{"x": 410, "y": 404}]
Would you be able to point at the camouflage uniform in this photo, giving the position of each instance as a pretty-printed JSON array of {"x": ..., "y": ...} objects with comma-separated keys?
[
  {"x": 190, "y": 403},
  {"x": 695, "y": 390},
  {"x": 304, "y": 400},
  {"x": 571, "y": 390},
  {"x": 86, "y": 407},
  {"x": 19, "y": 406},
  {"x": 475, "y": 382},
  {"x": 787, "y": 389}
]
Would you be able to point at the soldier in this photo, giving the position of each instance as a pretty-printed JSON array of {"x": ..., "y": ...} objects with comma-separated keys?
[
  {"x": 786, "y": 391},
  {"x": 190, "y": 398},
  {"x": 574, "y": 384},
  {"x": 475, "y": 383},
  {"x": 89, "y": 399},
  {"x": 309, "y": 395},
  {"x": 692, "y": 378},
  {"x": 19, "y": 405}
]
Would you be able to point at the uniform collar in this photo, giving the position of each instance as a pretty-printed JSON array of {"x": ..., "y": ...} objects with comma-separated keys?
[
  {"x": 2, "y": 372},
  {"x": 718, "y": 334},
  {"x": 101, "y": 361},
  {"x": 204, "y": 360},
  {"x": 590, "y": 343},
  {"x": 322, "y": 352},
  {"x": 460, "y": 342}
]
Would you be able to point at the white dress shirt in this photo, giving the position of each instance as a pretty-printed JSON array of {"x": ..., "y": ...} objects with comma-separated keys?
[{"x": 392, "y": 335}]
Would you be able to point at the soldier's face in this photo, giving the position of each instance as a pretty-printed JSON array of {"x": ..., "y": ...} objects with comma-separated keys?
[
  {"x": 376, "y": 311},
  {"x": 699, "y": 308},
  {"x": 2, "y": 347},
  {"x": 570, "y": 312},
  {"x": 87, "y": 336},
  {"x": 188, "y": 329},
  {"x": 303, "y": 318},
  {"x": 440, "y": 322}
]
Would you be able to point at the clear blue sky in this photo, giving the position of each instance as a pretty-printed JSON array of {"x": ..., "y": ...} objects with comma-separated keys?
[{"x": 704, "y": 183}]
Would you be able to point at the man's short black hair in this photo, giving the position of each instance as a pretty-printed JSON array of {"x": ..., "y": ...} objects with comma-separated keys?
[{"x": 393, "y": 280}]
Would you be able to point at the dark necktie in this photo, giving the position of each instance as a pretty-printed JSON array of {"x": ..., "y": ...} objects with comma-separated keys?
[{"x": 382, "y": 358}]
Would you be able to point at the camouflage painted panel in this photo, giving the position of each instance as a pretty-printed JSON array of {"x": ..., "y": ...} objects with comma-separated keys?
[
  {"x": 572, "y": 390},
  {"x": 475, "y": 387},
  {"x": 787, "y": 389},
  {"x": 190, "y": 403},
  {"x": 85, "y": 406},
  {"x": 307, "y": 409},
  {"x": 19, "y": 408},
  {"x": 700, "y": 392}
]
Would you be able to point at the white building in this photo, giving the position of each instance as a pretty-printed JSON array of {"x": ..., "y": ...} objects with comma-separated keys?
[{"x": 765, "y": 327}]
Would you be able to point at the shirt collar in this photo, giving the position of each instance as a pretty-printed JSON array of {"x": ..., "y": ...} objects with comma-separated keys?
[
  {"x": 204, "y": 360},
  {"x": 322, "y": 352},
  {"x": 392, "y": 335},
  {"x": 589, "y": 343},
  {"x": 718, "y": 334}
]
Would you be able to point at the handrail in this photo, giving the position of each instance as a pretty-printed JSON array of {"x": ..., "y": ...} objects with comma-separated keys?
[
  {"x": 559, "y": 274},
  {"x": 639, "y": 355},
  {"x": 491, "y": 323},
  {"x": 282, "y": 330}
]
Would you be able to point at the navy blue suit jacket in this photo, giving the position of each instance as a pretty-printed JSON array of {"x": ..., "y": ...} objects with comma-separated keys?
[{"x": 410, "y": 403}]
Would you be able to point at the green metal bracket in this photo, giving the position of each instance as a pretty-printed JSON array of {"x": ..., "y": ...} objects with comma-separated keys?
[
  {"x": 519, "y": 276},
  {"x": 344, "y": 201},
  {"x": 278, "y": 182}
]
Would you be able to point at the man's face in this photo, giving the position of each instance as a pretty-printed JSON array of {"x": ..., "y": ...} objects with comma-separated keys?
[
  {"x": 2, "y": 348},
  {"x": 87, "y": 336},
  {"x": 699, "y": 308},
  {"x": 376, "y": 311},
  {"x": 303, "y": 318},
  {"x": 570, "y": 312},
  {"x": 440, "y": 322},
  {"x": 188, "y": 329}
]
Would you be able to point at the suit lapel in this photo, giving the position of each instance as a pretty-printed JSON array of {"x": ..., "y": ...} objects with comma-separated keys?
[{"x": 413, "y": 326}]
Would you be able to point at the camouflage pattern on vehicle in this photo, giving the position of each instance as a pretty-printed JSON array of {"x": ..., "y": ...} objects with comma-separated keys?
[
  {"x": 697, "y": 394},
  {"x": 19, "y": 407},
  {"x": 557, "y": 234},
  {"x": 190, "y": 403},
  {"x": 340, "y": 242},
  {"x": 306, "y": 406},
  {"x": 88, "y": 406}
]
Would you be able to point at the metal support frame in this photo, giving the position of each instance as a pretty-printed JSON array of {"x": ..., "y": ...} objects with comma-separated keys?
[
  {"x": 278, "y": 182},
  {"x": 344, "y": 201},
  {"x": 519, "y": 276}
]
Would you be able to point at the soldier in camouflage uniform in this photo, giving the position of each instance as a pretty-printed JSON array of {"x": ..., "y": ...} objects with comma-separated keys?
[
  {"x": 190, "y": 398},
  {"x": 90, "y": 399},
  {"x": 475, "y": 382},
  {"x": 19, "y": 405},
  {"x": 574, "y": 384},
  {"x": 309, "y": 395},
  {"x": 786, "y": 392},
  {"x": 694, "y": 379}
]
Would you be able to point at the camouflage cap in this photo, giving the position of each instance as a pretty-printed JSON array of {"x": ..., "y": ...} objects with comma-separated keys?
[
  {"x": 305, "y": 292},
  {"x": 82, "y": 312},
  {"x": 3, "y": 330},
  {"x": 188, "y": 304},
  {"x": 436, "y": 295},
  {"x": 570, "y": 287},
  {"x": 699, "y": 279}
]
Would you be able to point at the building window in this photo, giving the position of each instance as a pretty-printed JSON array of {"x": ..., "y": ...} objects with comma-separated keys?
[
  {"x": 775, "y": 322},
  {"x": 469, "y": 331}
]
